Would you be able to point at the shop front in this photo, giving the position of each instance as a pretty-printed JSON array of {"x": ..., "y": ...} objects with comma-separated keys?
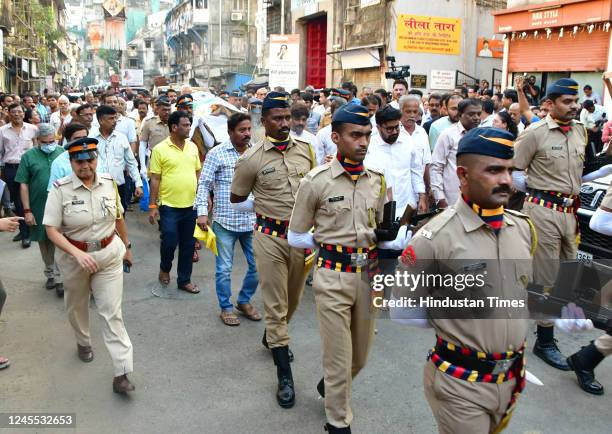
[{"x": 555, "y": 39}]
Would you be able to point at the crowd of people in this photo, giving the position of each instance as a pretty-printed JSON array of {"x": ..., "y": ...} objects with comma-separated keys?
[{"x": 72, "y": 165}]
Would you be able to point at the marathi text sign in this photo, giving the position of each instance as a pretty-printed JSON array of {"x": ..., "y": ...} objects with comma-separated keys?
[
  {"x": 442, "y": 79},
  {"x": 423, "y": 34},
  {"x": 284, "y": 62}
]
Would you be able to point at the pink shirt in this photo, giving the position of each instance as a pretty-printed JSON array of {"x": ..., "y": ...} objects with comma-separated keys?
[
  {"x": 607, "y": 132},
  {"x": 14, "y": 143},
  {"x": 443, "y": 169}
]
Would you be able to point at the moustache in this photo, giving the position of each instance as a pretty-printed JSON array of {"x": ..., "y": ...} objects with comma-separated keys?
[{"x": 502, "y": 189}]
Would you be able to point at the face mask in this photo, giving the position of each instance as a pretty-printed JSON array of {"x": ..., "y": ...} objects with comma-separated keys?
[
  {"x": 48, "y": 147},
  {"x": 255, "y": 110}
]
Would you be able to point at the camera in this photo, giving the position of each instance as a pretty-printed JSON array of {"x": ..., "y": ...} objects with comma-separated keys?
[{"x": 397, "y": 72}]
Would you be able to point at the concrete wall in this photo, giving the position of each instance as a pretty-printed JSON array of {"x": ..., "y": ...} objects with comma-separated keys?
[{"x": 476, "y": 22}]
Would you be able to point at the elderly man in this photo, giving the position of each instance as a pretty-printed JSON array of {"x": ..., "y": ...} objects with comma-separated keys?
[
  {"x": 33, "y": 175},
  {"x": 61, "y": 117},
  {"x": 16, "y": 138}
]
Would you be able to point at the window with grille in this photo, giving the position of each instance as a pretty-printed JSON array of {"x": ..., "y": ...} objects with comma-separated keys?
[
  {"x": 238, "y": 45},
  {"x": 238, "y": 5}
]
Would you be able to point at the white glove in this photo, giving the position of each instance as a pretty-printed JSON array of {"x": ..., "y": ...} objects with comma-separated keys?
[
  {"x": 400, "y": 242},
  {"x": 573, "y": 320}
]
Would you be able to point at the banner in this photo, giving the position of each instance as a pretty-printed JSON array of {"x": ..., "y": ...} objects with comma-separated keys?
[
  {"x": 94, "y": 33},
  {"x": 490, "y": 48},
  {"x": 423, "y": 34},
  {"x": 132, "y": 77},
  {"x": 284, "y": 61},
  {"x": 114, "y": 25}
]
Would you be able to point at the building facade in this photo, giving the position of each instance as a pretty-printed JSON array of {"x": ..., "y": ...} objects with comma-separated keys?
[
  {"x": 212, "y": 43},
  {"x": 439, "y": 40}
]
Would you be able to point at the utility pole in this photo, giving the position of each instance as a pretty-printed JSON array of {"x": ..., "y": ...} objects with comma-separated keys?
[{"x": 282, "y": 17}]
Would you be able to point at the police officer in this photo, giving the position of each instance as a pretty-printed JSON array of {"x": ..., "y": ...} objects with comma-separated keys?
[
  {"x": 552, "y": 151},
  {"x": 345, "y": 201},
  {"x": 83, "y": 218},
  {"x": 271, "y": 170},
  {"x": 475, "y": 373}
]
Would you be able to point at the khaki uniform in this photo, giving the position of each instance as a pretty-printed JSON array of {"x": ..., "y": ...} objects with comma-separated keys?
[
  {"x": 87, "y": 215},
  {"x": 345, "y": 214},
  {"x": 154, "y": 131},
  {"x": 458, "y": 241},
  {"x": 554, "y": 162},
  {"x": 273, "y": 177}
]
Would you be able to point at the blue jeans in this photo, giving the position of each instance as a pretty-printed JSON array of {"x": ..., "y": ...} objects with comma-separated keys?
[
  {"x": 177, "y": 225},
  {"x": 226, "y": 240}
]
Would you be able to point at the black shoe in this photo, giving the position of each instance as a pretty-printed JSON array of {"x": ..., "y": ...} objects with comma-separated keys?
[
  {"x": 309, "y": 280},
  {"x": 59, "y": 290},
  {"x": 50, "y": 284},
  {"x": 264, "y": 342},
  {"x": 334, "y": 430},
  {"x": 285, "y": 395},
  {"x": 18, "y": 237},
  {"x": 321, "y": 388},
  {"x": 25, "y": 243},
  {"x": 583, "y": 364},
  {"x": 549, "y": 352}
]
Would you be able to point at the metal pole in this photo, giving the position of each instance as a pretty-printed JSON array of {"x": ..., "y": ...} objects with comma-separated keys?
[
  {"x": 220, "y": 7},
  {"x": 282, "y": 17}
]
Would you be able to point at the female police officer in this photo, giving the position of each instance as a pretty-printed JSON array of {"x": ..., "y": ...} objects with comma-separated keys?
[{"x": 83, "y": 214}]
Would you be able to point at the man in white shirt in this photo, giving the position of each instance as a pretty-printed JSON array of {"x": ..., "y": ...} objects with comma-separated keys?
[
  {"x": 590, "y": 95},
  {"x": 592, "y": 115},
  {"x": 299, "y": 118},
  {"x": 114, "y": 152},
  {"x": 443, "y": 170},
  {"x": 323, "y": 145},
  {"x": 61, "y": 117},
  {"x": 418, "y": 139},
  {"x": 125, "y": 125},
  {"x": 400, "y": 88},
  {"x": 392, "y": 153}
]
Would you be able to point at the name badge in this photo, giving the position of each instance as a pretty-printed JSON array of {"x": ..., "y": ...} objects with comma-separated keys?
[
  {"x": 475, "y": 267},
  {"x": 268, "y": 170},
  {"x": 556, "y": 148},
  {"x": 336, "y": 199},
  {"x": 78, "y": 202}
]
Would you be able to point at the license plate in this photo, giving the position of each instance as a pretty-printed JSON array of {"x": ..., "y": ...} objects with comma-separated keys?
[{"x": 584, "y": 257}]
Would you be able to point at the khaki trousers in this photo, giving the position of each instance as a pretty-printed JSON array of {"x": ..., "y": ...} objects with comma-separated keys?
[
  {"x": 463, "y": 407},
  {"x": 106, "y": 285},
  {"x": 346, "y": 320},
  {"x": 556, "y": 242},
  {"x": 281, "y": 277},
  {"x": 47, "y": 252}
]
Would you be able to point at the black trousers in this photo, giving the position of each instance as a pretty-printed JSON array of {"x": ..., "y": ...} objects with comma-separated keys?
[
  {"x": 10, "y": 172},
  {"x": 2, "y": 296}
]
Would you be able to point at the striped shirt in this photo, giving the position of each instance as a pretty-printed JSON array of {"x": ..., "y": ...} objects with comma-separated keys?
[{"x": 217, "y": 176}]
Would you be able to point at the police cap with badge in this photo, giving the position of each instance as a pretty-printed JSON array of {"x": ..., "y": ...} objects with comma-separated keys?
[
  {"x": 85, "y": 148},
  {"x": 563, "y": 86},
  {"x": 275, "y": 100},
  {"x": 184, "y": 100},
  {"x": 351, "y": 114},
  {"x": 492, "y": 142}
]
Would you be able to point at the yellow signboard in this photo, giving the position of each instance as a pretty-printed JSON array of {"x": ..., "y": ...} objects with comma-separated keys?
[{"x": 423, "y": 34}]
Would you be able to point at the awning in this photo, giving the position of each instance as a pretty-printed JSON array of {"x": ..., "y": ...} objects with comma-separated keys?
[{"x": 360, "y": 58}]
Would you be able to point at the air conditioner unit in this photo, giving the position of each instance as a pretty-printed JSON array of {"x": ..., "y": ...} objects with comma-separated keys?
[{"x": 236, "y": 16}]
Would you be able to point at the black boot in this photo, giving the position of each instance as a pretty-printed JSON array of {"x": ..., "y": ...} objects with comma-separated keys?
[
  {"x": 264, "y": 342},
  {"x": 286, "y": 392},
  {"x": 333, "y": 430},
  {"x": 583, "y": 363},
  {"x": 546, "y": 349},
  {"x": 321, "y": 387}
]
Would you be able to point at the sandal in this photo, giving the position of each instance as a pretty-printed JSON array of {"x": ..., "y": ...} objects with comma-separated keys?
[
  {"x": 195, "y": 257},
  {"x": 190, "y": 287},
  {"x": 229, "y": 318},
  {"x": 249, "y": 311},
  {"x": 164, "y": 278},
  {"x": 198, "y": 245},
  {"x": 4, "y": 362}
]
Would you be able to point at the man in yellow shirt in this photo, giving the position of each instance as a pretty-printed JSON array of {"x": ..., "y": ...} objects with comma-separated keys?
[{"x": 175, "y": 170}]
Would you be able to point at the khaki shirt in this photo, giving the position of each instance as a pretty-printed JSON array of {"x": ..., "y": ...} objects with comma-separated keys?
[
  {"x": 344, "y": 212},
  {"x": 81, "y": 213},
  {"x": 273, "y": 176},
  {"x": 154, "y": 131},
  {"x": 553, "y": 160},
  {"x": 459, "y": 242}
]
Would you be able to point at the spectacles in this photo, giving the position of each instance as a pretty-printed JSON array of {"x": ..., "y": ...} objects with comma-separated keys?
[{"x": 391, "y": 129}]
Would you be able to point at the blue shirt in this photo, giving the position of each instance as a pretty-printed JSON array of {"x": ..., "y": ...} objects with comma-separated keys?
[
  {"x": 217, "y": 176},
  {"x": 313, "y": 122},
  {"x": 59, "y": 168}
]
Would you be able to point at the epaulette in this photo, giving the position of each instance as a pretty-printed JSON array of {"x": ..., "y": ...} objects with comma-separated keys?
[
  {"x": 377, "y": 171},
  {"x": 300, "y": 141},
  {"x": 532, "y": 229},
  {"x": 251, "y": 151},
  {"x": 105, "y": 176},
  {"x": 317, "y": 170},
  {"x": 436, "y": 223},
  {"x": 62, "y": 181}
]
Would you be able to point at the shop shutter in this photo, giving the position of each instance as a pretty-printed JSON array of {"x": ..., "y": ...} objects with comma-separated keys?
[
  {"x": 585, "y": 52},
  {"x": 367, "y": 77}
]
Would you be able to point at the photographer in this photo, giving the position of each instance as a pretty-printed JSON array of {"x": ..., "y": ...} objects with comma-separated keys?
[
  {"x": 532, "y": 91},
  {"x": 593, "y": 117}
]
